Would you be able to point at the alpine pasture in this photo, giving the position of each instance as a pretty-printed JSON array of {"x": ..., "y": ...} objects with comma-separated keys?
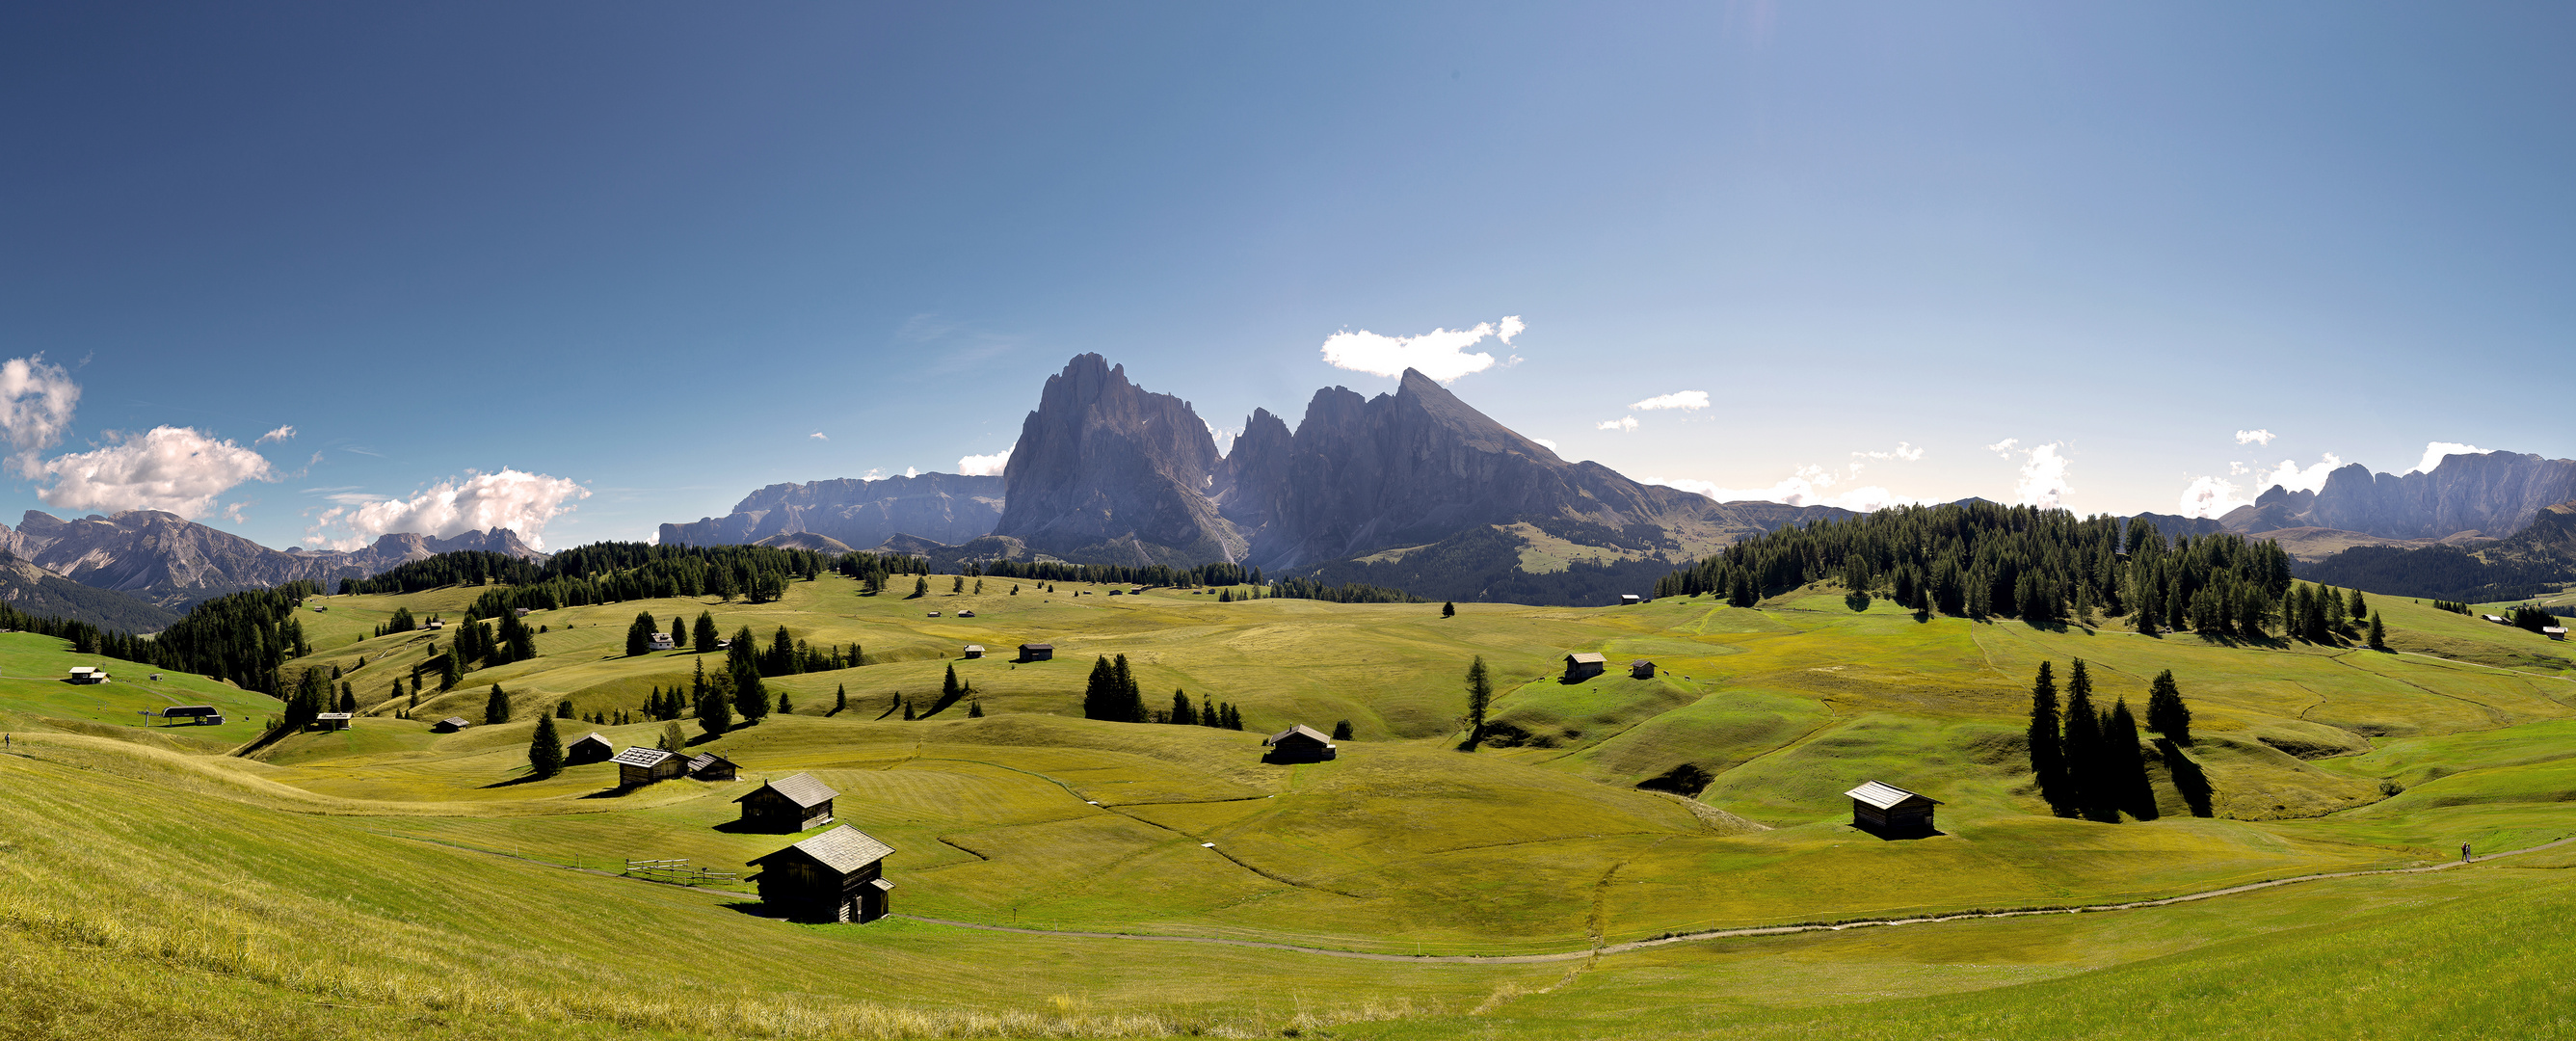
[{"x": 388, "y": 880}]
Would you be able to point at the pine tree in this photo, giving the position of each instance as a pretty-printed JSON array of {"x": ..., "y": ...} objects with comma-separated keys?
[
  {"x": 2082, "y": 750},
  {"x": 398, "y": 691},
  {"x": 545, "y": 750},
  {"x": 714, "y": 715},
  {"x": 948, "y": 686},
  {"x": 750, "y": 697},
  {"x": 1480, "y": 696},
  {"x": 2378, "y": 633},
  {"x": 703, "y": 638},
  {"x": 1182, "y": 713},
  {"x": 785, "y": 706},
  {"x": 1342, "y": 730},
  {"x": 907, "y": 712},
  {"x": 348, "y": 697},
  {"x": 975, "y": 708},
  {"x": 840, "y": 698},
  {"x": 2125, "y": 767},
  {"x": 447, "y": 671},
  {"x": 920, "y": 588},
  {"x": 639, "y": 635},
  {"x": 496, "y": 708},
  {"x": 1130, "y": 706},
  {"x": 2047, "y": 757},
  {"x": 1449, "y": 609},
  {"x": 2166, "y": 713},
  {"x": 1099, "y": 691},
  {"x": 563, "y": 710},
  {"x": 673, "y": 739}
]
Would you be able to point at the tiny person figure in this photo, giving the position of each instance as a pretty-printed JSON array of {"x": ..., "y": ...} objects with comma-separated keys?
[{"x": 2464, "y": 853}]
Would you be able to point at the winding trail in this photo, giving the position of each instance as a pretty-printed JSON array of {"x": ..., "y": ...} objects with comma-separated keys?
[{"x": 1718, "y": 934}]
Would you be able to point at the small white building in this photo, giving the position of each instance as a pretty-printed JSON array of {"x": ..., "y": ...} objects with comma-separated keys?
[
  {"x": 88, "y": 674},
  {"x": 436, "y": 624},
  {"x": 661, "y": 641},
  {"x": 2554, "y": 632},
  {"x": 1630, "y": 598}
]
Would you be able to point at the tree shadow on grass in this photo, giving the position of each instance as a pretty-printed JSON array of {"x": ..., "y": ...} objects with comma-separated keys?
[
  {"x": 2188, "y": 778},
  {"x": 612, "y": 793},
  {"x": 515, "y": 781},
  {"x": 753, "y": 908}
]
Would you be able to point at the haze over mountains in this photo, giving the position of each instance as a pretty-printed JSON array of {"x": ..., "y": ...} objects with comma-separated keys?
[{"x": 169, "y": 562}]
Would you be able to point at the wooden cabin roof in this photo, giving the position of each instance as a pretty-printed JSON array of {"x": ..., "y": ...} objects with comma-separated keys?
[
  {"x": 455, "y": 721},
  {"x": 594, "y": 738},
  {"x": 703, "y": 760},
  {"x": 844, "y": 849},
  {"x": 1037, "y": 647},
  {"x": 801, "y": 789},
  {"x": 341, "y": 716},
  {"x": 1585, "y": 658},
  {"x": 190, "y": 710},
  {"x": 1886, "y": 796},
  {"x": 641, "y": 756},
  {"x": 1295, "y": 731}
]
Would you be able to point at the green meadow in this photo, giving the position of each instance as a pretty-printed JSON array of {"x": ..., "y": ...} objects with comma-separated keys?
[{"x": 387, "y": 879}]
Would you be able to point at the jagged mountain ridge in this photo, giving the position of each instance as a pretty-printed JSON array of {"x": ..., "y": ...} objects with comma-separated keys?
[
  {"x": 37, "y": 591},
  {"x": 173, "y": 562},
  {"x": 947, "y": 508},
  {"x": 2493, "y": 494},
  {"x": 1107, "y": 472}
]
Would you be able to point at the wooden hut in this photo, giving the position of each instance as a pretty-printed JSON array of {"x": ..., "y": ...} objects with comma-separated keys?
[
  {"x": 199, "y": 715},
  {"x": 1888, "y": 811},
  {"x": 1583, "y": 665},
  {"x": 837, "y": 876},
  {"x": 88, "y": 674},
  {"x": 639, "y": 766},
  {"x": 792, "y": 803},
  {"x": 974, "y": 650},
  {"x": 1641, "y": 669},
  {"x": 331, "y": 721},
  {"x": 708, "y": 766},
  {"x": 1298, "y": 744},
  {"x": 449, "y": 725},
  {"x": 1626, "y": 599},
  {"x": 592, "y": 748},
  {"x": 1037, "y": 652}
]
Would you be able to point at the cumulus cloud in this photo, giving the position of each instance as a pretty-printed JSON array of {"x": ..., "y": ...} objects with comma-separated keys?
[
  {"x": 1551, "y": 445},
  {"x": 520, "y": 501},
  {"x": 2216, "y": 496},
  {"x": 2298, "y": 478},
  {"x": 2433, "y": 453},
  {"x": 2210, "y": 497},
  {"x": 910, "y": 472},
  {"x": 980, "y": 465},
  {"x": 1809, "y": 486},
  {"x": 1622, "y": 424},
  {"x": 2042, "y": 481},
  {"x": 818, "y": 435},
  {"x": 2254, "y": 437},
  {"x": 36, "y": 402},
  {"x": 2004, "y": 447},
  {"x": 279, "y": 434},
  {"x": 1905, "y": 453},
  {"x": 1681, "y": 399},
  {"x": 1223, "y": 437},
  {"x": 1441, "y": 353},
  {"x": 171, "y": 469}
]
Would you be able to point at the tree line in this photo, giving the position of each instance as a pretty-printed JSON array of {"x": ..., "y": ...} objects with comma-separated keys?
[
  {"x": 2088, "y": 761},
  {"x": 1113, "y": 694}
]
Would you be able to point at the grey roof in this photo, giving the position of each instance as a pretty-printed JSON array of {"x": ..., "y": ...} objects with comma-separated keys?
[
  {"x": 1585, "y": 658},
  {"x": 332, "y": 715},
  {"x": 594, "y": 736},
  {"x": 456, "y": 721},
  {"x": 1886, "y": 796},
  {"x": 1638, "y": 662},
  {"x": 801, "y": 789},
  {"x": 1037, "y": 647},
  {"x": 1300, "y": 728},
  {"x": 641, "y": 756},
  {"x": 976, "y": 647},
  {"x": 703, "y": 760},
  {"x": 843, "y": 849},
  {"x": 190, "y": 710}
]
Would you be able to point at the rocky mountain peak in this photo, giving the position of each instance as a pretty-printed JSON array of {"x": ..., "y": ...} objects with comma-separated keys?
[{"x": 1105, "y": 470}]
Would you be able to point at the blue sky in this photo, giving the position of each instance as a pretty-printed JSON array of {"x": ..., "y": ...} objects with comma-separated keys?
[{"x": 608, "y": 265}]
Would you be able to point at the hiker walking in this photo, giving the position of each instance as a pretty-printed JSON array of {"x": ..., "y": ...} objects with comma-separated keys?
[{"x": 2464, "y": 853}]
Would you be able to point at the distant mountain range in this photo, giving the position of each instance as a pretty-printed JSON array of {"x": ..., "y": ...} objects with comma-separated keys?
[
  {"x": 170, "y": 563},
  {"x": 945, "y": 508}
]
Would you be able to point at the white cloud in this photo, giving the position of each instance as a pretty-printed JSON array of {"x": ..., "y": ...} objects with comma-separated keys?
[
  {"x": 36, "y": 402},
  {"x": 2004, "y": 447},
  {"x": 1224, "y": 438},
  {"x": 818, "y": 435},
  {"x": 1905, "y": 453},
  {"x": 2238, "y": 469},
  {"x": 873, "y": 474},
  {"x": 2254, "y": 437},
  {"x": 1807, "y": 487},
  {"x": 2210, "y": 497},
  {"x": 2433, "y": 453},
  {"x": 171, "y": 469},
  {"x": 1551, "y": 445},
  {"x": 1681, "y": 399},
  {"x": 1441, "y": 353},
  {"x": 1622, "y": 424},
  {"x": 279, "y": 434},
  {"x": 2043, "y": 477},
  {"x": 2296, "y": 478},
  {"x": 910, "y": 472},
  {"x": 520, "y": 501},
  {"x": 981, "y": 465}
]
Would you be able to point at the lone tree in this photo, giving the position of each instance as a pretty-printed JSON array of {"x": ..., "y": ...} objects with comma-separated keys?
[
  {"x": 840, "y": 698},
  {"x": 673, "y": 739},
  {"x": 2166, "y": 714},
  {"x": 715, "y": 715},
  {"x": 496, "y": 709},
  {"x": 2047, "y": 755},
  {"x": 948, "y": 686},
  {"x": 1342, "y": 730},
  {"x": 1480, "y": 696},
  {"x": 545, "y": 751},
  {"x": 975, "y": 709},
  {"x": 1449, "y": 609},
  {"x": 703, "y": 637},
  {"x": 2378, "y": 633}
]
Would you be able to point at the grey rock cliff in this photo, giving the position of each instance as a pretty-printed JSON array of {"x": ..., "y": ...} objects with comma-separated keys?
[
  {"x": 946, "y": 508},
  {"x": 1106, "y": 472}
]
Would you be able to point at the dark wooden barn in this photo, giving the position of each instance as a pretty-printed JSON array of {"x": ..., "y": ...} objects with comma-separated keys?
[
  {"x": 708, "y": 766},
  {"x": 1298, "y": 744},
  {"x": 1641, "y": 669},
  {"x": 640, "y": 766},
  {"x": 791, "y": 803},
  {"x": 1888, "y": 811},
  {"x": 449, "y": 725},
  {"x": 592, "y": 748},
  {"x": 331, "y": 721},
  {"x": 1583, "y": 665},
  {"x": 1037, "y": 652},
  {"x": 837, "y": 876},
  {"x": 202, "y": 715}
]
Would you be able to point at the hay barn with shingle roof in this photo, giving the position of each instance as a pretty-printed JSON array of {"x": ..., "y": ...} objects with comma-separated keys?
[
  {"x": 1888, "y": 811},
  {"x": 795, "y": 802},
  {"x": 837, "y": 876},
  {"x": 640, "y": 766},
  {"x": 1298, "y": 744}
]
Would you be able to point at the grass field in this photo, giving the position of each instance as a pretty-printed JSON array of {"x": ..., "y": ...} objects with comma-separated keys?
[{"x": 424, "y": 884}]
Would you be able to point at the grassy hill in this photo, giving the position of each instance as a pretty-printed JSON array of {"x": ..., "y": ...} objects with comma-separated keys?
[{"x": 425, "y": 884}]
